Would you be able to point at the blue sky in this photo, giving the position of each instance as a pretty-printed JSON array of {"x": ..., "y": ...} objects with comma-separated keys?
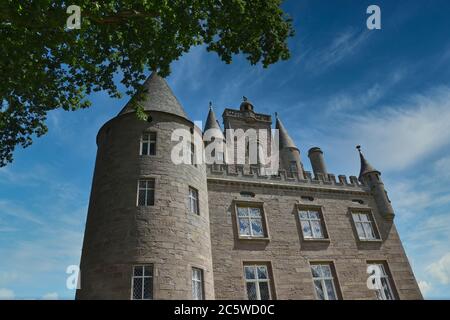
[{"x": 388, "y": 90}]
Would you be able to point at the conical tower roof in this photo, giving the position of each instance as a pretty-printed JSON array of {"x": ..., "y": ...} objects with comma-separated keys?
[
  {"x": 156, "y": 96},
  {"x": 285, "y": 140},
  {"x": 366, "y": 167},
  {"x": 211, "y": 121}
]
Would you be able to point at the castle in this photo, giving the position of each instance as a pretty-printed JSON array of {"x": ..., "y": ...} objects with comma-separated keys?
[{"x": 159, "y": 230}]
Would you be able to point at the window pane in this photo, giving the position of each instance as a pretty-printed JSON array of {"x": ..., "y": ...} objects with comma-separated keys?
[
  {"x": 195, "y": 292},
  {"x": 257, "y": 228},
  {"x": 151, "y": 184},
  {"x": 360, "y": 230},
  {"x": 314, "y": 215},
  {"x": 148, "y": 288},
  {"x": 303, "y": 214},
  {"x": 370, "y": 234},
  {"x": 307, "y": 232},
  {"x": 152, "y": 136},
  {"x": 317, "y": 229},
  {"x": 150, "y": 197},
  {"x": 137, "y": 288},
  {"x": 249, "y": 273},
  {"x": 326, "y": 271},
  {"x": 148, "y": 271},
  {"x": 152, "y": 150},
  {"x": 144, "y": 148},
  {"x": 138, "y": 270},
  {"x": 330, "y": 290},
  {"x": 319, "y": 291},
  {"x": 364, "y": 217},
  {"x": 196, "y": 274},
  {"x": 244, "y": 227},
  {"x": 142, "y": 184},
  {"x": 355, "y": 216},
  {"x": 315, "y": 269},
  {"x": 264, "y": 290},
  {"x": 242, "y": 212},
  {"x": 386, "y": 289},
  {"x": 251, "y": 291},
  {"x": 262, "y": 272},
  {"x": 255, "y": 212}
]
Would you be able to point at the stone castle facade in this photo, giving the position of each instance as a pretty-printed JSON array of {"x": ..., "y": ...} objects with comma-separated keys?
[{"x": 157, "y": 230}]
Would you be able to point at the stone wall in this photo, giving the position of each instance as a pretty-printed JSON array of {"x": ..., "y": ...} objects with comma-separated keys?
[
  {"x": 286, "y": 251},
  {"x": 119, "y": 234}
]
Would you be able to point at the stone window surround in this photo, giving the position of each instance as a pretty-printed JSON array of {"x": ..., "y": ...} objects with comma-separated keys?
[
  {"x": 392, "y": 281},
  {"x": 368, "y": 211},
  {"x": 269, "y": 264},
  {"x": 252, "y": 203},
  {"x": 335, "y": 273},
  {"x": 320, "y": 209}
]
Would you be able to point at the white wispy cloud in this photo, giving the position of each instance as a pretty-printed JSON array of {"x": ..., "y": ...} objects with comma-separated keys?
[
  {"x": 342, "y": 46},
  {"x": 440, "y": 269},
  {"x": 6, "y": 294},
  {"x": 397, "y": 137},
  {"x": 9, "y": 208}
]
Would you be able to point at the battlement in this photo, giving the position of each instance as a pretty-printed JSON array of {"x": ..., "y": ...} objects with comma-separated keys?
[
  {"x": 255, "y": 174},
  {"x": 246, "y": 114}
]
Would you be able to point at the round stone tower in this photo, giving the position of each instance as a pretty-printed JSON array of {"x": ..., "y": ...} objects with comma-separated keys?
[{"x": 147, "y": 232}]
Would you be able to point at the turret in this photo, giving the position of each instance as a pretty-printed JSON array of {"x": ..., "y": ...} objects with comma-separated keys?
[
  {"x": 371, "y": 177},
  {"x": 289, "y": 153},
  {"x": 147, "y": 231},
  {"x": 214, "y": 138},
  {"x": 315, "y": 155}
]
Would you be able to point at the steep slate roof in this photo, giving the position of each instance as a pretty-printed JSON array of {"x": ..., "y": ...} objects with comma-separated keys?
[
  {"x": 157, "y": 97},
  {"x": 285, "y": 140},
  {"x": 366, "y": 167},
  {"x": 211, "y": 120}
]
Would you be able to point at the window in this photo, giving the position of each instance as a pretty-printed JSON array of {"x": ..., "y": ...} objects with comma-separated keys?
[
  {"x": 146, "y": 192},
  {"x": 257, "y": 282},
  {"x": 193, "y": 201},
  {"x": 385, "y": 292},
  {"x": 312, "y": 224},
  {"x": 197, "y": 284},
  {"x": 250, "y": 222},
  {"x": 293, "y": 167},
  {"x": 192, "y": 153},
  {"x": 148, "y": 144},
  {"x": 365, "y": 226},
  {"x": 324, "y": 281},
  {"x": 142, "y": 283}
]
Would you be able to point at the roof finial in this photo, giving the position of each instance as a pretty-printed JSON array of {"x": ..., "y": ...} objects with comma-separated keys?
[
  {"x": 244, "y": 98},
  {"x": 276, "y": 115},
  {"x": 210, "y": 105},
  {"x": 359, "y": 148}
]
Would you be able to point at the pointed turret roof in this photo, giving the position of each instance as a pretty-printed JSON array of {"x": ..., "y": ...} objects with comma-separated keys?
[
  {"x": 211, "y": 121},
  {"x": 366, "y": 167},
  {"x": 156, "y": 96},
  {"x": 285, "y": 140}
]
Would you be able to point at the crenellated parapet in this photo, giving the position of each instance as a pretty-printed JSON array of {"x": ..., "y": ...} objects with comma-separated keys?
[{"x": 256, "y": 174}]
